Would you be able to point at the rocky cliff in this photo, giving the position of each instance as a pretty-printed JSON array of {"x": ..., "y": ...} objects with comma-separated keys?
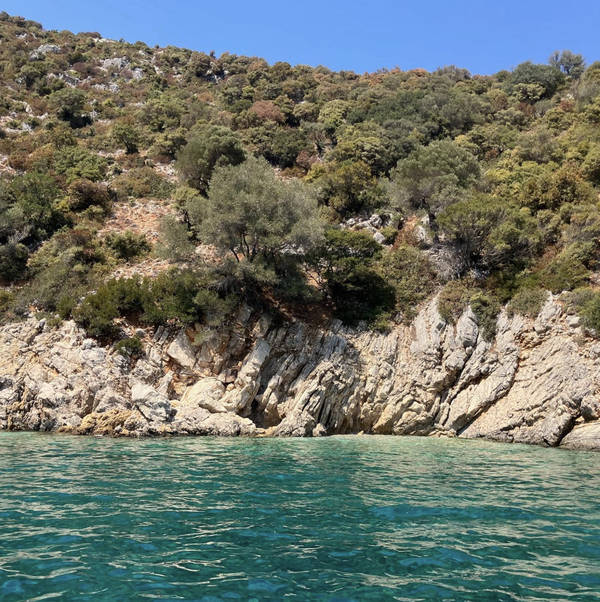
[{"x": 537, "y": 382}]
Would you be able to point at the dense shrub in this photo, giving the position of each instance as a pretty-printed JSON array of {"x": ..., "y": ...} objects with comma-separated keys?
[
  {"x": 527, "y": 302},
  {"x": 75, "y": 162},
  {"x": 13, "y": 261},
  {"x": 142, "y": 182},
  {"x": 208, "y": 147},
  {"x": 182, "y": 297},
  {"x": 130, "y": 347},
  {"x": 127, "y": 245},
  {"x": 345, "y": 262},
  {"x": 486, "y": 309},
  {"x": 84, "y": 193},
  {"x": 408, "y": 271},
  {"x": 453, "y": 300},
  {"x": 586, "y": 302}
]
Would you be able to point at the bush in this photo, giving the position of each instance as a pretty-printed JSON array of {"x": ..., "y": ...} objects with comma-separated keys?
[
  {"x": 209, "y": 146},
  {"x": 568, "y": 270},
  {"x": 453, "y": 300},
  {"x": 68, "y": 104},
  {"x": 130, "y": 347},
  {"x": 6, "y": 299},
  {"x": 433, "y": 177},
  {"x": 409, "y": 272},
  {"x": 175, "y": 240},
  {"x": 77, "y": 163},
  {"x": 267, "y": 224},
  {"x": 348, "y": 187},
  {"x": 142, "y": 182},
  {"x": 84, "y": 193},
  {"x": 183, "y": 297},
  {"x": 547, "y": 77},
  {"x": 346, "y": 263},
  {"x": 586, "y": 303},
  {"x": 127, "y": 136},
  {"x": 527, "y": 302},
  {"x": 13, "y": 261},
  {"x": 128, "y": 245},
  {"x": 96, "y": 314},
  {"x": 486, "y": 309}
]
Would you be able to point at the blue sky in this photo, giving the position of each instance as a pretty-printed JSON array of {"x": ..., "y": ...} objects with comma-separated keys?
[{"x": 481, "y": 36}]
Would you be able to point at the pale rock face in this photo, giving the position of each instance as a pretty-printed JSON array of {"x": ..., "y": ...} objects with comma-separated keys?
[
  {"x": 152, "y": 405},
  {"x": 43, "y": 50},
  {"x": 206, "y": 393},
  {"x": 533, "y": 383},
  {"x": 583, "y": 436},
  {"x": 181, "y": 351}
]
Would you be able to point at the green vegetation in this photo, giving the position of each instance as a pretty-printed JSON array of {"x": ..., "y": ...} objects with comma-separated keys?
[{"x": 267, "y": 179}]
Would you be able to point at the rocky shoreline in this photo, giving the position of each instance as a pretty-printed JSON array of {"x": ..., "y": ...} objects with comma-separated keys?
[{"x": 537, "y": 382}]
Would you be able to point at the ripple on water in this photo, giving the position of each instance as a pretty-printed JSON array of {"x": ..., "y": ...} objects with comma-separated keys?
[{"x": 344, "y": 518}]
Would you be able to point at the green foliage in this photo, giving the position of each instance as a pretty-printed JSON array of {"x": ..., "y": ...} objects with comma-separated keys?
[
  {"x": 346, "y": 262},
  {"x": 453, "y": 300},
  {"x": 28, "y": 208},
  {"x": 13, "y": 261},
  {"x": 486, "y": 309},
  {"x": 127, "y": 136},
  {"x": 252, "y": 214},
  {"x": 75, "y": 163},
  {"x": 68, "y": 103},
  {"x": 591, "y": 165},
  {"x": 433, "y": 177},
  {"x": 130, "y": 347},
  {"x": 84, "y": 193},
  {"x": 489, "y": 233},
  {"x": 142, "y": 182},
  {"x": 507, "y": 168},
  {"x": 277, "y": 144},
  {"x": 568, "y": 270},
  {"x": 586, "y": 302},
  {"x": 571, "y": 64},
  {"x": 527, "y": 302},
  {"x": 548, "y": 77},
  {"x": 175, "y": 240},
  {"x": 408, "y": 271},
  {"x": 347, "y": 188},
  {"x": 182, "y": 297},
  {"x": 210, "y": 146},
  {"x": 97, "y": 313},
  {"x": 128, "y": 245}
]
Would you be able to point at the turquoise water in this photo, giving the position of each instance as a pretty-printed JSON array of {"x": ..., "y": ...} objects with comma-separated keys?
[{"x": 344, "y": 518}]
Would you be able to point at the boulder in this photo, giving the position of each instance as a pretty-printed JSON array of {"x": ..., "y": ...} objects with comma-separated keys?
[
  {"x": 181, "y": 351},
  {"x": 583, "y": 436},
  {"x": 206, "y": 393},
  {"x": 152, "y": 405}
]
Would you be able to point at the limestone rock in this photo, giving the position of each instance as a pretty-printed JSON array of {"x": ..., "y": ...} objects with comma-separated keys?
[
  {"x": 583, "y": 436},
  {"x": 152, "y": 405},
  {"x": 206, "y": 393},
  {"x": 181, "y": 351},
  {"x": 532, "y": 384}
]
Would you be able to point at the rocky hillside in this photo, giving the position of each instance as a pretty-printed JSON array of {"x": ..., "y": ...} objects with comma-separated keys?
[
  {"x": 537, "y": 382},
  {"x": 202, "y": 244}
]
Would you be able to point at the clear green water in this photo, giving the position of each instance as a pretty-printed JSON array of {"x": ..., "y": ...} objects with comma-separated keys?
[{"x": 345, "y": 518}]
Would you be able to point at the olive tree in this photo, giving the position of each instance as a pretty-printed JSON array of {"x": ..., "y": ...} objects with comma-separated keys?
[{"x": 261, "y": 221}]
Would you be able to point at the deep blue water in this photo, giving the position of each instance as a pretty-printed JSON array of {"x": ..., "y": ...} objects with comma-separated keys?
[{"x": 343, "y": 518}]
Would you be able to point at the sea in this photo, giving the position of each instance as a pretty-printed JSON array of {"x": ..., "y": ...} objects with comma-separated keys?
[{"x": 345, "y": 518}]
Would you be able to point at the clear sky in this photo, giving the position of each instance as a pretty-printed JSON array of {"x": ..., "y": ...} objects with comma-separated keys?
[{"x": 479, "y": 35}]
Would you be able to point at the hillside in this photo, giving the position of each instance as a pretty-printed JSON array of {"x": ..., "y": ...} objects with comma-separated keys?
[{"x": 149, "y": 186}]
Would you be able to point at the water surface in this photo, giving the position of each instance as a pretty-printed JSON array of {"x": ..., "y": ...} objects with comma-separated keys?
[{"x": 342, "y": 518}]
